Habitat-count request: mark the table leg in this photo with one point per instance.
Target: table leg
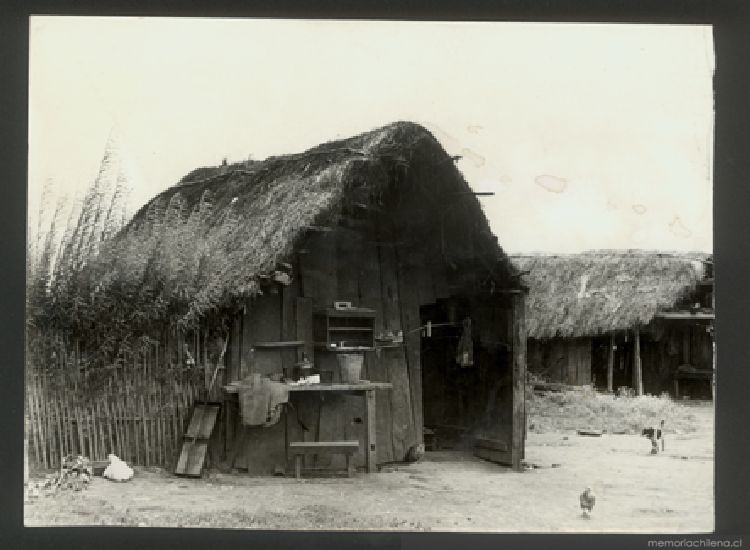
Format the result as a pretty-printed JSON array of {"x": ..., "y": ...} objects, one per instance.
[
  {"x": 298, "y": 466},
  {"x": 370, "y": 450}
]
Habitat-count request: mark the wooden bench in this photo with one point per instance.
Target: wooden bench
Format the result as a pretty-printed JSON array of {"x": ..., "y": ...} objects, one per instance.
[{"x": 302, "y": 448}]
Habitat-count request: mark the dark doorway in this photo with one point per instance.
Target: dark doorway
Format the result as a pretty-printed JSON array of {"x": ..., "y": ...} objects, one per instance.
[{"x": 463, "y": 405}]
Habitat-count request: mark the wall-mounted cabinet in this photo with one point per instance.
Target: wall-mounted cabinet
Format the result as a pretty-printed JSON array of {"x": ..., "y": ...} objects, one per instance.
[{"x": 350, "y": 329}]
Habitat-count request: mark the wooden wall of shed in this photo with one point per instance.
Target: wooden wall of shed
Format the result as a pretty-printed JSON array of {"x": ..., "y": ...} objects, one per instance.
[
  {"x": 395, "y": 259},
  {"x": 669, "y": 344},
  {"x": 340, "y": 265},
  {"x": 563, "y": 360}
]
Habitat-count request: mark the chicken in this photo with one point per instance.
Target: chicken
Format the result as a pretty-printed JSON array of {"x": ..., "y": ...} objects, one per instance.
[
  {"x": 117, "y": 470},
  {"x": 587, "y": 500}
]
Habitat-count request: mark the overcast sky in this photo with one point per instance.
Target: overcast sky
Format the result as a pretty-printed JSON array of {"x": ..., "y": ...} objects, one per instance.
[{"x": 591, "y": 136}]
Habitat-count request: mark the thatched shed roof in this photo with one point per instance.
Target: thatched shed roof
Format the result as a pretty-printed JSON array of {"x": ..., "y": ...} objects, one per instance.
[
  {"x": 227, "y": 225},
  {"x": 591, "y": 293}
]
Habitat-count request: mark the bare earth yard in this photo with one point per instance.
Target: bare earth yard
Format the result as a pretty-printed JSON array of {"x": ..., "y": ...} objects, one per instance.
[{"x": 447, "y": 491}]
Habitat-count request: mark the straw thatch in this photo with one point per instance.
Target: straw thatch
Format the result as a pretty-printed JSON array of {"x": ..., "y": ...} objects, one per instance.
[
  {"x": 226, "y": 226},
  {"x": 592, "y": 293}
]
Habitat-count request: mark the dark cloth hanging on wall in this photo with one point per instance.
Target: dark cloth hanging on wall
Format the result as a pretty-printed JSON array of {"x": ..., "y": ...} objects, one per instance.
[{"x": 465, "y": 351}]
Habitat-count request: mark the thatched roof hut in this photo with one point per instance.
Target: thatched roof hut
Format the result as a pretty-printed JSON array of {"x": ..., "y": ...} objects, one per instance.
[
  {"x": 253, "y": 264},
  {"x": 265, "y": 269},
  {"x": 592, "y": 293},
  {"x": 216, "y": 235}
]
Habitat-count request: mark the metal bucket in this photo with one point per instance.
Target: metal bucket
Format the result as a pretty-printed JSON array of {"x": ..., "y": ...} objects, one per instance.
[{"x": 350, "y": 366}]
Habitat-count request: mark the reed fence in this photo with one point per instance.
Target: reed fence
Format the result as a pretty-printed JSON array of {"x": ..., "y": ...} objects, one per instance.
[{"x": 138, "y": 411}]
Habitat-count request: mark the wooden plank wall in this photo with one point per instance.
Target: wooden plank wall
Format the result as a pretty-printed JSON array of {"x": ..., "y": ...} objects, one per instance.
[
  {"x": 564, "y": 360},
  {"x": 404, "y": 434},
  {"x": 376, "y": 366}
]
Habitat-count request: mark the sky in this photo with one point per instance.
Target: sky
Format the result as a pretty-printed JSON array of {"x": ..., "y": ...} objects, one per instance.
[{"x": 590, "y": 136}]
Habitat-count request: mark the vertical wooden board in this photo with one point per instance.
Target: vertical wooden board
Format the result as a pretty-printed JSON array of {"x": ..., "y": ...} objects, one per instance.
[
  {"x": 611, "y": 362},
  {"x": 304, "y": 320},
  {"x": 235, "y": 351},
  {"x": 351, "y": 263},
  {"x": 419, "y": 266},
  {"x": 409, "y": 284},
  {"x": 354, "y": 426},
  {"x": 401, "y": 412},
  {"x": 519, "y": 380},
  {"x": 375, "y": 368},
  {"x": 378, "y": 372},
  {"x": 318, "y": 268},
  {"x": 586, "y": 346},
  {"x": 289, "y": 295},
  {"x": 331, "y": 412},
  {"x": 371, "y": 443},
  {"x": 349, "y": 260},
  {"x": 637, "y": 366},
  {"x": 571, "y": 359},
  {"x": 263, "y": 324}
]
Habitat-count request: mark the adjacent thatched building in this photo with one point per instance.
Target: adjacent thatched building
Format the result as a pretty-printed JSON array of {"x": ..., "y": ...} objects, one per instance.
[
  {"x": 384, "y": 220},
  {"x": 630, "y": 318}
]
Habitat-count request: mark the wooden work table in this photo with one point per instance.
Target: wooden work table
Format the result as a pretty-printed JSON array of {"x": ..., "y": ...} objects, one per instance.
[{"x": 365, "y": 389}]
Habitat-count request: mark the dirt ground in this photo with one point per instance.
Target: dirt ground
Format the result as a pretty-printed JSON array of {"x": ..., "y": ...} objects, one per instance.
[{"x": 447, "y": 491}]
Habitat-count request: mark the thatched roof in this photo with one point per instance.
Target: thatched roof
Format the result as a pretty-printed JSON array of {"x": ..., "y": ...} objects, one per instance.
[
  {"x": 592, "y": 293},
  {"x": 238, "y": 221}
]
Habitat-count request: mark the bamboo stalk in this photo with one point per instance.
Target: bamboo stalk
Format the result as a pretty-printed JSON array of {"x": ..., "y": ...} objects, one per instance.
[
  {"x": 155, "y": 417},
  {"x": 42, "y": 421},
  {"x": 100, "y": 428},
  {"x": 121, "y": 429},
  {"x": 134, "y": 415},
  {"x": 154, "y": 422},
  {"x": 153, "y": 433},
  {"x": 30, "y": 391},
  {"x": 163, "y": 412},
  {"x": 175, "y": 414},
  {"x": 47, "y": 426},
  {"x": 68, "y": 421},
  {"x": 79, "y": 429},
  {"x": 36, "y": 421},
  {"x": 145, "y": 432},
  {"x": 64, "y": 439},
  {"x": 69, "y": 425},
  {"x": 91, "y": 424},
  {"x": 118, "y": 426},
  {"x": 159, "y": 425},
  {"x": 106, "y": 425}
]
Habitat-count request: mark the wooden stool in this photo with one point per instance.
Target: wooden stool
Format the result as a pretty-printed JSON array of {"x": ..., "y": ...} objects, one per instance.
[{"x": 302, "y": 448}]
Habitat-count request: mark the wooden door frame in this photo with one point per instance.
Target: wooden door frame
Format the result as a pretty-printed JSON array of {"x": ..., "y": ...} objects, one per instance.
[{"x": 518, "y": 328}]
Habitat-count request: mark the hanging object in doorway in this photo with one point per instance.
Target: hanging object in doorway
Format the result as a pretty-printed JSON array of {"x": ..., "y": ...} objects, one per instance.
[{"x": 465, "y": 351}]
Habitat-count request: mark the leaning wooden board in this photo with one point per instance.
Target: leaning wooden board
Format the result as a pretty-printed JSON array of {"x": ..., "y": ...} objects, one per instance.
[{"x": 195, "y": 441}]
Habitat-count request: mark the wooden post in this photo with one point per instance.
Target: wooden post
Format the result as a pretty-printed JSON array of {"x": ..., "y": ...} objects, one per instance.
[
  {"x": 371, "y": 450},
  {"x": 610, "y": 362},
  {"x": 637, "y": 373},
  {"x": 26, "y": 447},
  {"x": 519, "y": 380}
]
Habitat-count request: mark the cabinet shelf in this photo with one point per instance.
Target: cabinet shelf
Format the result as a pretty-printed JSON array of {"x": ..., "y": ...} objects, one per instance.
[
  {"x": 277, "y": 345},
  {"x": 345, "y": 330}
]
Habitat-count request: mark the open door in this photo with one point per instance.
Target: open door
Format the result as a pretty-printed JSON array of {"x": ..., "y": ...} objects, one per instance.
[
  {"x": 503, "y": 441},
  {"x": 477, "y": 407}
]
